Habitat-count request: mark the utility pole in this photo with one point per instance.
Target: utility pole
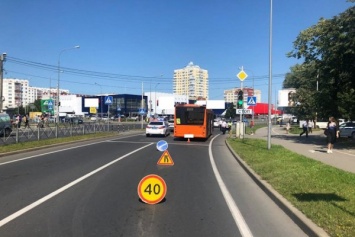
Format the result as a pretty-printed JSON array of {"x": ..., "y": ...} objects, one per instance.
[{"x": 2, "y": 59}]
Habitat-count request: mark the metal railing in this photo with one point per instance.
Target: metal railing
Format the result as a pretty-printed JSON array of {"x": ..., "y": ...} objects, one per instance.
[{"x": 52, "y": 130}]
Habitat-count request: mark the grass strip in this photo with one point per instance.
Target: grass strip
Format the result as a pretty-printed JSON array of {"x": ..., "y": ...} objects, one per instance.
[{"x": 325, "y": 194}]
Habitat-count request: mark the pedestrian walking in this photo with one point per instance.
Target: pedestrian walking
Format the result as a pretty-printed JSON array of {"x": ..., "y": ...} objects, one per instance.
[
  {"x": 252, "y": 124},
  {"x": 25, "y": 119},
  {"x": 332, "y": 134},
  {"x": 224, "y": 126},
  {"x": 288, "y": 126},
  {"x": 305, "y": 128},
  {"x": 18, "y": 120},
  {"x": 310, "y": 126},
  {"x": 229, "y": 125}
]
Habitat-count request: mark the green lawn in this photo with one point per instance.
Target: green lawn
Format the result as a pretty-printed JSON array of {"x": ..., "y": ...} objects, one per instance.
[{"x": 324, "y": 194}]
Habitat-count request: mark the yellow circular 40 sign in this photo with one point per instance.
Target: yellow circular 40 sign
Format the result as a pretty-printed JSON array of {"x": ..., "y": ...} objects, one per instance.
[{"x": 152, "y": 189}]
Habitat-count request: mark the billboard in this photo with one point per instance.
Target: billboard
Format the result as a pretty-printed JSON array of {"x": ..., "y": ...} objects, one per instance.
[
  {"x": 91, "y": 102},
  {"x": 285, "y": 98},
  {"x": 215, "y": 104}
]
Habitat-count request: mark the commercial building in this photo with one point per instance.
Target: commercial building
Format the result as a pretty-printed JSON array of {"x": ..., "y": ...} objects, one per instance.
[
  {"x": 191, "y": 81},
  {"x": 123, "y": 104}
]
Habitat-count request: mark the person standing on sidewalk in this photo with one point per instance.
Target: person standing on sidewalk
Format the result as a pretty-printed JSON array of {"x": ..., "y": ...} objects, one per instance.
[
  {"x": 305, "y": 128},
  {"x": 332, "y": 134}
]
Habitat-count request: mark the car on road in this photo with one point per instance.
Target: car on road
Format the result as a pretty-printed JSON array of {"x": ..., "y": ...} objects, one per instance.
[
  {"x": 216, "y": 123},
  {"x": 157, "y": 128},
  {"x": 73, "y": 120},
  {"x": 105, "y": 119},
  {"x": 171, "y": 124},
  {"x": 347, "y": 130},
  {"x": 5, "y": 125}
]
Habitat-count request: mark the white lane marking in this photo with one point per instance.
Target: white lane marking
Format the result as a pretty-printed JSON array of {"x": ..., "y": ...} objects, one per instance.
[
  {"x": 65, "y": 149},
  {"x": 237, "y": 215},
  {"x": 312, "y": 151},
  {"x": 62, "y": 189}
]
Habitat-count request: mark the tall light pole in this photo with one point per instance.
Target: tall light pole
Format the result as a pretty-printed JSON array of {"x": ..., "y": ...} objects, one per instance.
[
  {"x": 60, "y": 54},
  {"x": 155, "y": 98},
  {"x": 150, "y": 95},
  {"x": 2, "y": 59},
  {"x": 270, "y": 81},
  {"x": 100, "y": 98}
]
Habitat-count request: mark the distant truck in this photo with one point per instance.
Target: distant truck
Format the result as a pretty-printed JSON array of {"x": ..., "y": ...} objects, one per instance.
[
  {"x": 318, "y": 124},
  {"x": 321, "y": 124}
]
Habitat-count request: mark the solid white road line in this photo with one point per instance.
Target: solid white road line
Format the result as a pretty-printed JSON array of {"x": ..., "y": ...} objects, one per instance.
[
  {"x": 62, "y": 189},
  {"x": 65, "y": 149},
  {"x": 237, "y": 215}
]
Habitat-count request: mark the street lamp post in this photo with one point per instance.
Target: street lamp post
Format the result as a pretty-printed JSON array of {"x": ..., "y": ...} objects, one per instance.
[
  {"x": 150, "y": 96},
  {"x": 155, "y": 98},
  {"x": 60, "y": 54},
  {"x": 270, "y": 81},
  {"x": 2, "y": 59},
  {"x": 100, "y": 98}
]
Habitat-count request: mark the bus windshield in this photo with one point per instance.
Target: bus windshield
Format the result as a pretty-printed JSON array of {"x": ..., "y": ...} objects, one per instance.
[{"x": 189, "y": 115}]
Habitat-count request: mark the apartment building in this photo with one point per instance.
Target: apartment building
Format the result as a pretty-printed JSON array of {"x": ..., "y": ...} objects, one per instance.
[
  {"x": 191, "y": 81},
  {"x": 231, "y": 95},
  {"x": 15, "y": 93},
  {"x": 18, "y": 92}
]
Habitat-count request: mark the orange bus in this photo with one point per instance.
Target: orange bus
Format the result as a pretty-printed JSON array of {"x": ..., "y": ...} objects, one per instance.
[{"x": 192, "y": 121}]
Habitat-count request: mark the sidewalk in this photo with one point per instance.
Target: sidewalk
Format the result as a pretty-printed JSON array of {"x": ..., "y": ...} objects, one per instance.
[{"x": 314, "y": 146}]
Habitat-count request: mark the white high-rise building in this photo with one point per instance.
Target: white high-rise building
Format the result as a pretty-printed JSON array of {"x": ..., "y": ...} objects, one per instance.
[
  {"x": 191, "y": 81},
  {"x": 18, "y": 92},
  {"x": 15, "y": 93}
]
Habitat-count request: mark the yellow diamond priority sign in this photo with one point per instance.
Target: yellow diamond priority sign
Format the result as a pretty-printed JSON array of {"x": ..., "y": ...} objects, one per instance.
[{"x": 242, "y": 75}]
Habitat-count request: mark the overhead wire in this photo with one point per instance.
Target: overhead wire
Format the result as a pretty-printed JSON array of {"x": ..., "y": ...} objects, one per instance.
[{"x": 123, "y": 77}]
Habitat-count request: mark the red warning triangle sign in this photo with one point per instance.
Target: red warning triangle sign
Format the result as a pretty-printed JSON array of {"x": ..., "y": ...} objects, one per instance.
[{"x": 165, "y": 159}]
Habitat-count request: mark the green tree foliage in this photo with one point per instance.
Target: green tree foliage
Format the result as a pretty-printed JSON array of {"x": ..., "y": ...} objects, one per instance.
[
  {"x": 328, "y": 50},
  {"x": 230, "y": 113},
  {"x": 37, "y": 104}
]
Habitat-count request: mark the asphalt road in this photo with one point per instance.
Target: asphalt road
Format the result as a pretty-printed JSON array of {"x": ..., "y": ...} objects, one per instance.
[{"x": 90, "y": 189}]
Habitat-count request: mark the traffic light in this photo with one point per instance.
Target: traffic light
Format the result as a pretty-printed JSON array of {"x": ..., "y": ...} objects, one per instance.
[{"x": 240, "y": 101}]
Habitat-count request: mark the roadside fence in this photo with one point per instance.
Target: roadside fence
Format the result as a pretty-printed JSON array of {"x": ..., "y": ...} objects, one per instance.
[{"x": 52, "y": 130}]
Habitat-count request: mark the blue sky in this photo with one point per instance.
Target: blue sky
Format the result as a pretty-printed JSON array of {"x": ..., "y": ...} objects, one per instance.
[{"x": 144, "y": 41}]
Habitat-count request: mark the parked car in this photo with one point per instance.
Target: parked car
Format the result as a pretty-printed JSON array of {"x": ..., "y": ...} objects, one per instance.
[
  {"x": 5, "y": 125},
  {"x": 171, "y": 124},
  {"x": 157, "y": 128},
  {"x": 73, "y": 120},
  {"x": 347, "y": 130},
  {"x": 51, "y": 119},
  {"x": 105, "y": 118}
]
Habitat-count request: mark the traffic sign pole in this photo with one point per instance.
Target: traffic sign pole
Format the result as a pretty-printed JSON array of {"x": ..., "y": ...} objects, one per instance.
[{"x": 242, "y": 76}]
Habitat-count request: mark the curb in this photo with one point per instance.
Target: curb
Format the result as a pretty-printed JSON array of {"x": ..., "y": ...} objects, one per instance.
[{"x": 307, "y": 225}]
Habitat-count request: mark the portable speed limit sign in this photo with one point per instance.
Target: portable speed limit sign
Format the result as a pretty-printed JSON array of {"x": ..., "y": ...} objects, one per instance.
[{"x": 152, "y": 189}]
